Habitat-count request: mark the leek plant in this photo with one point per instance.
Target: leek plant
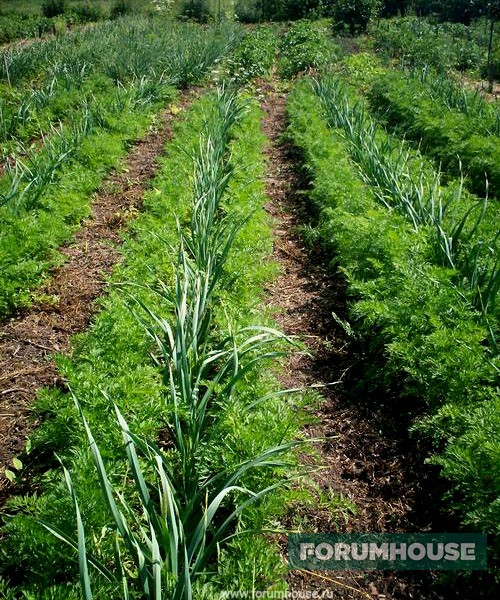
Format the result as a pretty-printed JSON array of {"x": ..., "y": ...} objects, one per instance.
[
  {"x": 456, "y": 96},
  {"x": 182, "y": 506},
  {"x": 400, "y": 182},
  {"x": 30, "y": 172},
  {"x": 124, "y": 49}
]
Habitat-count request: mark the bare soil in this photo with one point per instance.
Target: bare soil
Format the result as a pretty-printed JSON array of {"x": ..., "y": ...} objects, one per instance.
[
  {"x": 29, "y": 340},
  {"x": 369, "y": 458}
]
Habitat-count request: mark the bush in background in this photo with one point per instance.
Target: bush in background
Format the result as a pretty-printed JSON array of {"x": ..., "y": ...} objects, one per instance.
[
  {"x": 87, "y": 12},
  {"x": 304, "y": 47},
  {"x": 251, "y": 11},
  {"x": 121, "y": 8},
  {"x": 354, "y": 15},
  {"x": 197, "y": 10},
  {"x": 53, "y": 8},
  {"x": 254, "y": 56}
]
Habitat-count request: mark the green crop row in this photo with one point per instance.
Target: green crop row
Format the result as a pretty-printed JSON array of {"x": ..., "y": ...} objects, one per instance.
[
  {"x": 27, "y": 113},
  {"x": 454, "y": 138},
  {"x": 45, "y": 199},
  {"x": 409, "y": 310},
  {"x": 129, "y": 351},
  {"x": 456, "y": 95},
  {"x": 45, "y": 193},
  {"x": 129, "y": 48},
  {"x": 463, "y": 229}
]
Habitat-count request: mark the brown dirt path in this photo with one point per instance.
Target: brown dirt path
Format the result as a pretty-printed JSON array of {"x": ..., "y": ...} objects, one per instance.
[
  {"x": 378, "y": 473},
  {"x": 28, "y": 341}
]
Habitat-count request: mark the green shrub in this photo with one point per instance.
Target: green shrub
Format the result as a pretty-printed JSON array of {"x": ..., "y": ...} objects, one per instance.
[
  {"x": 254, "y": 57},
  {"x": 87, "y": 12},
  {"x": 121, "y": 8},
  {"x": 304, "y": 47},
  {"x": 418, "y": 42},
  {"x": 53, "y": 8},
  {"x": 354, "y": 15}
]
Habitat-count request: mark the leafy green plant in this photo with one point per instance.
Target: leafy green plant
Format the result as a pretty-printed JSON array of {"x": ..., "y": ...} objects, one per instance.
[
  {"x": 360, "y": 69},
  {"x": 254, "y": 56},
  {"x": 354, "y": 15},
  {"x": 418, "y": 42},
  {"x": 53, "y": 8},
  {"x": 304, "y": 47}
]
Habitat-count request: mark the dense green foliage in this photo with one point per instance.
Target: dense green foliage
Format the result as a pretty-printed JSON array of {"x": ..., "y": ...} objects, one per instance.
[
  {"x": 353, "y": 16},
  {"x": 409, "y": 309},
  {"x": 13, "y": 27},
  {"x": 456, "y": 139},
  {"x": 255, "y": 55},
  {"x": 355, "y": 12},
  {"x": 279, "y": 10},
  {"x": 303, "y": 47},
  {"x": 104, "y": 91},
  {"x": 53, "y": 8},
  {"x": 462, "y": 11},
  {"x": 418, "y": 42}
]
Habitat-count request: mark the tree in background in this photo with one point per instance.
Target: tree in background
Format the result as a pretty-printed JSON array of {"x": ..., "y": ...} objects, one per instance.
[
  {"x": 300, "y": 9},
  {"x": 491, "y": 10},
  {"x": 53, "y": 8},
  {"x": 354, "y": 15},
  {"x": 282, "y": 10},
  {"x": 198, "y": 10},
  {"x": 392, "y": 8},
  {"x": 121, "y": 8},
  {"x": 458, "y": 11}
]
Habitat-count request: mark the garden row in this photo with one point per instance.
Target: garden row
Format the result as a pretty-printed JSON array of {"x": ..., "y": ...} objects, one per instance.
[
  {"x": 301, "y": 47},
  {"x": 465, "y": 235},
  {"x": 173, "y": 364},
  {"x": 88, "y": 100},
  {"x": 381, "y": 218},
  {"x": 457, "y": 128}
]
